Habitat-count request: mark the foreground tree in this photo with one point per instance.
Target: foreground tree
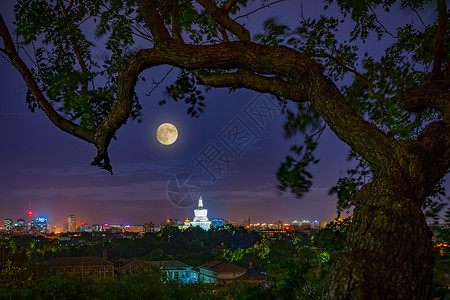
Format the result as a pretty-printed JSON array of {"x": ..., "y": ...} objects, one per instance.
[{"x": 389, "y": 251}]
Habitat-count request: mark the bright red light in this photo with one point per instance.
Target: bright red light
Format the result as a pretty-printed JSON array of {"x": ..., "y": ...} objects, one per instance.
[
  {"x": 83, "y": 223},
  {"x": 287, "y": 228},
  {"x": 106, "y": 224},
  {"x": 30, "y": 213}
]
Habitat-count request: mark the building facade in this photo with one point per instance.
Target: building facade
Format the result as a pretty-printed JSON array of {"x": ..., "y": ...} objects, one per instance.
[
  {"x": 90, "y": 266},
  {"x": 72, "y": 224}
]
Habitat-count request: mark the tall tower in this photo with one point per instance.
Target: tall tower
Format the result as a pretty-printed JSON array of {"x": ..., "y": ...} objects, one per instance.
[
  {"x": 30, "y": 213},
  {"x": 201, "y": 216},
  {"x": 71, "y": 224}
]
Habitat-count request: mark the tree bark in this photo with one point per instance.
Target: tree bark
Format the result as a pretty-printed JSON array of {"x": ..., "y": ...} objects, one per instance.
[{"x": 389, "y": 252}]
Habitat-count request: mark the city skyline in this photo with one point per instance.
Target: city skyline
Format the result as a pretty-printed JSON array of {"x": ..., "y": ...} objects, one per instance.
[{"x": 82, "y": 221}]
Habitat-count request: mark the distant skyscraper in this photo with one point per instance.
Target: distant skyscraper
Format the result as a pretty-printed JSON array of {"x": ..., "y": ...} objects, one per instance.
[
  {"x": 21, "y": 222},
  {"x": 71, "y": 224},
  {"x": 217, "y": 222},
  {"x": 30, "y": 213},
  {"x": 8, "y": 223},
  {"x": 41, "y": 224},
  {"x": 201, "y": 216},
  {"x": 278, "y": 224}
]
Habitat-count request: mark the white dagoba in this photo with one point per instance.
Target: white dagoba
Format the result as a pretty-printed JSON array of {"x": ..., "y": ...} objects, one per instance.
[{"x": 201, "y": 216}]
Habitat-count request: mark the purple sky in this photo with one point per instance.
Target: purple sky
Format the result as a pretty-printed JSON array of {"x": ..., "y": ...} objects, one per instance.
[{"x": 42, "y": 164}]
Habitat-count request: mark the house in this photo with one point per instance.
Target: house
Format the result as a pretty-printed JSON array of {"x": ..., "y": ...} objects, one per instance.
[
  {"x": 252, "y": 276},
  {"x": 176, "y": 270},
  {"x": 219, "y": 272},
  {"x": 129, "y": 264},
  {"x": 89, "y": 266}
]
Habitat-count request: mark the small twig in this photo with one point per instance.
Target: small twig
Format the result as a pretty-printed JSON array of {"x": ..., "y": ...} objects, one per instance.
[
  {"x": 319, "y": 132},
  {"x": 264, "y": 6},
  {"x": 378, "y": 21},
  {"x": 28, "y": 55},
  {"x": 417, "y": 13},
  {"x": 7, "y": 59},
  {"x": 157, "y": 83}
]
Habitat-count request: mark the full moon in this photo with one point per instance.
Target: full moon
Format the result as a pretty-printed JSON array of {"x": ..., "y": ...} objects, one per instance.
[{"x": 167, "y": 134}]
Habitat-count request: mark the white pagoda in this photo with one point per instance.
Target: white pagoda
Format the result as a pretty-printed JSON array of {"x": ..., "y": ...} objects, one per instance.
[{"x": 201, "y": 216}]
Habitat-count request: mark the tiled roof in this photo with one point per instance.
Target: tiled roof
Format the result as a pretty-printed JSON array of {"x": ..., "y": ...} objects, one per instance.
[
  {"x": 223, "y": 267},
  {"x": 134, "y": 263},
  {"x": 77, "y": 261},
  {"x": 251, "y": 274},
  {"x": 169, "y": 264}
]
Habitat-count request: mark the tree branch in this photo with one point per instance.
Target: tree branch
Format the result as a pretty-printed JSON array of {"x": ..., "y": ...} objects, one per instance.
[
  {"x": 221, "y": 16},
  {"x": 439, "y": 46},
  {"x": 381, "y": 24},
  {"x": 154, "y": 22},
  {"x": 249, "y": 80},
  {"x": 435, "y": 95},
  {"x": 229, "y": 5},
  {"x": 224, "y": 33},
  {"x": 61, "y": 122},
  {"x": 76, "y": 48},
  {"x": 259, "y": 8},
  {"x": 157, "y": 83},
  {"x": 176, "y": 31}
]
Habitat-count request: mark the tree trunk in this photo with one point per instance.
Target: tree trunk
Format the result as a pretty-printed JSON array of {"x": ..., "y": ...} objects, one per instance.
[{"x": 389, "y": 252}]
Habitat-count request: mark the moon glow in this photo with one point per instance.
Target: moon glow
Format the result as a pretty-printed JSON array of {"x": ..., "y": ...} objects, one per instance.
[{"x": 167, "y": 134}]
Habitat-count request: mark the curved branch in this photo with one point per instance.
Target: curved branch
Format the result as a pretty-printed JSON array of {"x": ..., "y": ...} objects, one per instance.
[
  {"x": 435, "y": 95},
  {"x": 249, "y": 80},
  {"x": 221, "y": 16},
  {"x": 61, "y": 122}
]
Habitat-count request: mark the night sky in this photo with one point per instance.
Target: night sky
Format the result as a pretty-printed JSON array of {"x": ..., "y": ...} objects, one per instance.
[{"x": 42, "y": 164}]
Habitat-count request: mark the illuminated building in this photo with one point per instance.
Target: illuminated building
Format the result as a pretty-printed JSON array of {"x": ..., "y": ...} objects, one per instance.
[
  {"x": 41, "y": 224},
  {"x": 71, "y": 224},
  {"x": 89, "y": 266},
  {"x": 278, "y": 224},
  {"x": 219, "y": 272},
  {"x": 201, "y": 216},
  {"x": 217, "y": 222},
  {"x": 84, "y": 227},
  {"x": 21, "y": 222},
  {"x": 315, "y": 224},
  {"x": 133, "y": 228},
  {"x": 176, "y": 270},
  {"x": 8, "y": 223},
  {"x": 295, "y": 226},
  {"x": 96, "y": 227}
]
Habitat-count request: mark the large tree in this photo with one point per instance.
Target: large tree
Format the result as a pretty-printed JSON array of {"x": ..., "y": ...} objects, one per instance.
[{"x": 393, "y": 110}]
